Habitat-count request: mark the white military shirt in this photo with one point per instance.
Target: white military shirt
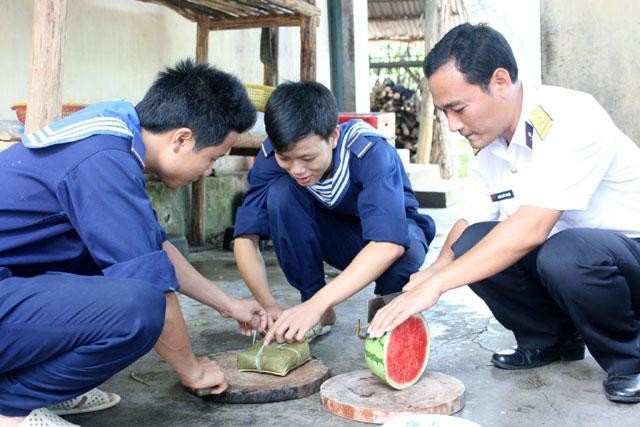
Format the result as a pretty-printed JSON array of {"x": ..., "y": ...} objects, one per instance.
[{"x": 566, "y": 154}]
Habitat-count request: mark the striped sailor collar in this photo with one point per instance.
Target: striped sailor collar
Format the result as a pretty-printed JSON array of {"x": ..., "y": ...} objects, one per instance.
[
  {"x": 352, "y": 139},
  {"x": 351, "y": 136},
  {"x": 118, "y": 118},
  {"x": 331, "y": 190}
]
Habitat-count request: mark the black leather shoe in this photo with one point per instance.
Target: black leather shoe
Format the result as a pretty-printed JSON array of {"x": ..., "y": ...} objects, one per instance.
[
  {"x": 622, "y": 388},
  {"x": 523, "y": 358}
]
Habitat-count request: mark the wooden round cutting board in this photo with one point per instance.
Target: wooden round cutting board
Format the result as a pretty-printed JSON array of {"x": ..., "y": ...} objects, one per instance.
[
  {"x": 251, "y": 387},
  {"x": 361, "y": 396}
]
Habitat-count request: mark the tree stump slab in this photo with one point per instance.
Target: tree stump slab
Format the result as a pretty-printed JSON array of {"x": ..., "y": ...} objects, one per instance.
[
  {"x": 252, "y": 387},
  {"x": 361, "y": 396}
]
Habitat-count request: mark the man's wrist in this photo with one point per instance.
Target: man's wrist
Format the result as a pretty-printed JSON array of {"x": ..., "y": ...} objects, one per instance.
[
  {"x": 437, "y": 283},
  {"x": 183, "y": 362},
  {"x": 320, "y": 303},
  {"x": 267, "y": 301},
  {"x": 272, "y": 304},
  {"x": 226, "y": 305},
  {"x": 195, "y": 374}
]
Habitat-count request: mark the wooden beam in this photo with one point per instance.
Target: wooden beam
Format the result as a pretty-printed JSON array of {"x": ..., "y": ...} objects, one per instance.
[
  {"x": 395, "y": 64},
  {"x": 307, "y": 8},
  {"x": 198, "y": 196},
  {"x": 44, "y": 99},
  {"x": 248, "y": 144},
  {"x": 185, "y": 13},
  {"x": 225, "y": 7},
  {"x": 308, "y": 26},
  {"x": 255, "y": 22},
  {"x": 192, "y": 9}
]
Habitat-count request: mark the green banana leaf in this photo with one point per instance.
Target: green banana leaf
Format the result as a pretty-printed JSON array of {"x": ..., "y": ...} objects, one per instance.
[{"x": 276, "y": 359}]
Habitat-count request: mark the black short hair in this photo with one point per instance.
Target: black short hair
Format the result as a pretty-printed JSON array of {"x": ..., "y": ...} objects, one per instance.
[
  {"x": 208, "y": 101},
  {"x": 478, "y": 50},
  {"x": 297, "y": 110}
]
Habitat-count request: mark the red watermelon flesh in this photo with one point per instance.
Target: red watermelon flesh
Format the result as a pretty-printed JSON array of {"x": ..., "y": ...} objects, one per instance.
[
  {"x": 400, "y": 356},
  {"x": 407, "y": 351}
]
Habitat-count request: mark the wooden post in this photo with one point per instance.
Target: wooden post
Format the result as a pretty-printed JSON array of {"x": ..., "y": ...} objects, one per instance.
[
  {"x": 269, "y": 55},
  {"x": 202, "y": 40},
  {"x": 425, "y": 131},
  {"x": 347, "y": 51},
  {"x": 44, "y": 99},
  {"x": 308, "y": 25},
  {"x": 198, "y": 199},
  {"x": 427, "y": 116}
]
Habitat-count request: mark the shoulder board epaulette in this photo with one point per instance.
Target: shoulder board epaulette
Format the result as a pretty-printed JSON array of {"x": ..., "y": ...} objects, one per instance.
[
  {"x": 360, "y": 146},
  {"x": 267, "y": 147},
  {"x": 541, "y": 121}
]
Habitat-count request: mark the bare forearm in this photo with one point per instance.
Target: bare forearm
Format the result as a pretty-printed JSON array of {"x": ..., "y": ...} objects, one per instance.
[
  {"x": 373, "y": 260},
  {"x": 446, "y": 255},
  {"x": 174, "y": 345},
  {"x": 370, "y": 262},
  {"x": 247, "y": 312},
  {"x": 194, "y": 284},
  {"x": 507, "y": 243},
  {"x": 252, "y": 269}
]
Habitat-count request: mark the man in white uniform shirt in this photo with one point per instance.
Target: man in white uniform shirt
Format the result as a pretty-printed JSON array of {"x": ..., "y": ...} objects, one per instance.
[{"x": 552, "y": 241}]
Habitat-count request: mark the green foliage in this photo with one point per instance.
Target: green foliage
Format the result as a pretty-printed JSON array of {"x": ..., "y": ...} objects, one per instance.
[
  {"x": 395, "y": 51},
  {"x": 463, "y": 153}
]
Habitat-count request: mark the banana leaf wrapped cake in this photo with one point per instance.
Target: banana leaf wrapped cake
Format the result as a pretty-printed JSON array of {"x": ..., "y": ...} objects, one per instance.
[{"x": 276, "y": 359}]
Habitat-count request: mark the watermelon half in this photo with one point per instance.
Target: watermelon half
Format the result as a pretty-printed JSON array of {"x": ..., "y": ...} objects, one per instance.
[{"x": 400, "y": 356}]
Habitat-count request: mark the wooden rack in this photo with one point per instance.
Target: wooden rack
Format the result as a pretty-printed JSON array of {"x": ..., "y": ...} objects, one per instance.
[{"x": 49, "y": 29}]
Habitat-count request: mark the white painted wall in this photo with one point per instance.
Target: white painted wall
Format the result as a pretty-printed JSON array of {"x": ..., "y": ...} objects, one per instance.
[
  {"x": 520, "y": 25},
  {"x": 361, "y": 53},
  {"x": 594, "y": 46},
  {"x": 115, "y": 48}
]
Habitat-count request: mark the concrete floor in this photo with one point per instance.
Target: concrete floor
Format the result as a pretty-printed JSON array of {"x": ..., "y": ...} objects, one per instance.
[{"x": 464, "y": 336}]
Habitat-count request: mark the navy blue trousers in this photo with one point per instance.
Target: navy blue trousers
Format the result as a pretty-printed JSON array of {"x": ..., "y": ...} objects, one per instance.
[
  {"x": 584, "y": 281},
  {"x": 62, "y": 335},
  {"x": 305, "y": 234}
]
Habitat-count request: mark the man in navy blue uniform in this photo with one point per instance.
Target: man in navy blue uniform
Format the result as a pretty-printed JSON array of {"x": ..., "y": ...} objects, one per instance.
[
  {"x": 326, "y": 193},
  {"x": 87, "y": 276}
]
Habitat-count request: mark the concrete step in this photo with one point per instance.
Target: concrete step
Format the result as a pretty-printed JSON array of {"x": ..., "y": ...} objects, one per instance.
[
  {"x": 422, "y": 174},
  {"x": 441, "y": 193},
  {"x": 419, "y": 174}
]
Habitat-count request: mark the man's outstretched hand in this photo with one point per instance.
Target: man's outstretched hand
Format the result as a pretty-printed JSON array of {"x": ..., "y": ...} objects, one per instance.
[
  {"x": 249, "y": 314},
  {"x": 210, "y": 376},
  {"x": 294, "y": 322},
  {"x": 418, "y": 298}
]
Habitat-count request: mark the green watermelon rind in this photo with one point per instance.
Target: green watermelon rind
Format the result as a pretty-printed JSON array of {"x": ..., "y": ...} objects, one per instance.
[
  {"x": 374, "y": 355},
  {"x": 375, "y": 352}
]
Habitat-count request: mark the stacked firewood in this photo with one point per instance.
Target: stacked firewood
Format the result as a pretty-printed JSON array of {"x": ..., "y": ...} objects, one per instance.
[{"x": 390, "y": 97}]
